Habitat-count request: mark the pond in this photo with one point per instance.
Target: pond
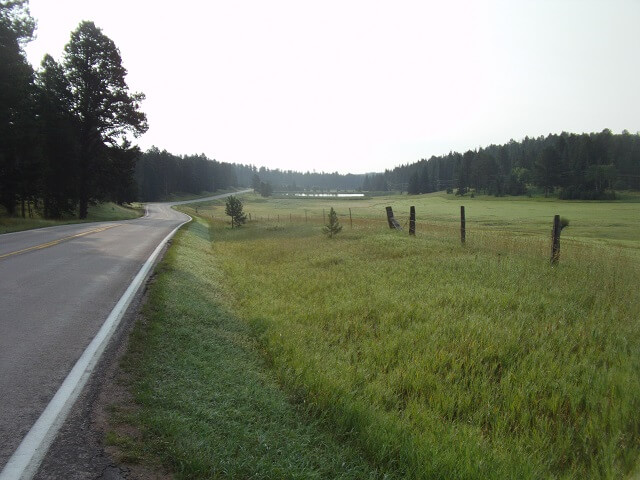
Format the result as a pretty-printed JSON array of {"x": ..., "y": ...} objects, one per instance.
[{"x": 340, "y": 195}]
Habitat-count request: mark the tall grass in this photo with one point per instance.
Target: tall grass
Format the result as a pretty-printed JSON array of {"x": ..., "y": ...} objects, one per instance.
[
  {"x": 447, "y": 361},
  {"x": 207, "y": 404}
]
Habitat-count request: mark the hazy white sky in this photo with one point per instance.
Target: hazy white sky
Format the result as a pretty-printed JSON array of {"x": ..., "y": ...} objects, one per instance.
[{"x": 360, "y": 86}]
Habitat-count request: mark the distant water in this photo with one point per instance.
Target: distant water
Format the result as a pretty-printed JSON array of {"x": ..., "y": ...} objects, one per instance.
[{"x": 344, "y": 195}]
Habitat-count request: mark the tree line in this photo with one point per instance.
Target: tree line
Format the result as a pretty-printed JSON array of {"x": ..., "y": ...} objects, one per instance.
[
  {"x": 64, "y": 129},
  {"x": 575, "y": 166},
  {"x": 292, "y": 181},
  {"x": 158, "y": 174}
]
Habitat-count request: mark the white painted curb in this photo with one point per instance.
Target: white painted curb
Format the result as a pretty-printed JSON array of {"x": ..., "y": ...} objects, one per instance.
[{"x": 25, "y": 461}]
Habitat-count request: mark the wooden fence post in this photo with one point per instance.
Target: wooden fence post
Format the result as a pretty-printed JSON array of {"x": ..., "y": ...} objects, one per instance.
[
  {"x": 249, "y": 217},
  {"x": 390, "y": 217},
  {"x": 555, "y": 240},
  {"x": 324, "y": 219},
  {"x": 412, "y": 221},
  {"x": 463, "y": 226},
  {"x": 305, "y": 216},
  {"x": 278, "y": 218},
  {"x": 350, "y": 218}
]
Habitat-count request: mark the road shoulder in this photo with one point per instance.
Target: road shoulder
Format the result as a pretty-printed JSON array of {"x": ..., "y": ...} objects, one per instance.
[{"x": 79, "y": 451}]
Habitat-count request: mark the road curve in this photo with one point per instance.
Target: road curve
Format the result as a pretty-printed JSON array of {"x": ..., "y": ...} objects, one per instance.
[{"x": 57, "y": 287}]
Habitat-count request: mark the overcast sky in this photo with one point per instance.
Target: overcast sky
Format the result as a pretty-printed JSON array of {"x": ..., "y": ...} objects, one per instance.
[{"x": 360, "y": 86}]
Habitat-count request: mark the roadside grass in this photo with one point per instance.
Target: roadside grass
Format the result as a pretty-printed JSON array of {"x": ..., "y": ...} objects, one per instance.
[
  {"x": 97, "y": 213},
  {"x": 207, "y": 403},
  {"x": 449, "y": 361}
]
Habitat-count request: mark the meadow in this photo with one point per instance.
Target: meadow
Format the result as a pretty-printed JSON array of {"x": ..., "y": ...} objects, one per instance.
[{"x": 430, "y": 358}]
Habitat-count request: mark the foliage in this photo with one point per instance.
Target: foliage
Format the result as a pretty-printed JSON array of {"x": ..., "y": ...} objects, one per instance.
[
  {"x": 64, "y": 132},
  {"x": 333, "y": 227},
  {"x": 585, "y": 166},
  {"x": 265, "y": 190},
  {"x": 159, "y": 174},
  {"x": 234, "y": 209},
  {"x": 16, "y": 105},
  {"x": 292, "y": 181},
  {"x": 16, "y": 21},
  {"x": 59, "y": 143},
  {"x": 103, "y": 108}
]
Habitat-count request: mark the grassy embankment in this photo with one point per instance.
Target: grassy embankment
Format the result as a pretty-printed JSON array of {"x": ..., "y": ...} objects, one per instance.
[
  {"x": 437, "y": 360},
  {"x": 97, "y": 213},
  {"x": 207, "y": 404}
]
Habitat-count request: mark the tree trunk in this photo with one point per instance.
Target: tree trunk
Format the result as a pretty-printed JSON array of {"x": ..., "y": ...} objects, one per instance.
[{"x": 83, "y": 207}]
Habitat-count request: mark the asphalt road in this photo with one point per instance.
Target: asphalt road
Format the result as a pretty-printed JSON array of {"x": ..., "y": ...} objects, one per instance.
[{"x": 57, "y": 287}]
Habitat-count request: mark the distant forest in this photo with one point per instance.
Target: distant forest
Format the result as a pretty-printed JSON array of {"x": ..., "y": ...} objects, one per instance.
[
  {"x": 575, "y": 166},
  {"x": 290, "y": 181},
  {"x": 158, "y": 174}
]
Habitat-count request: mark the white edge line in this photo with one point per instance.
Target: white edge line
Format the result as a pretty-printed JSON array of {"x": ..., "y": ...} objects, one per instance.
[{"x": 25, "y": 461}]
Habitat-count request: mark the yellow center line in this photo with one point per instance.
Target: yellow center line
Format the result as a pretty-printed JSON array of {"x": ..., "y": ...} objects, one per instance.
[{"x": 56, "y": 242}]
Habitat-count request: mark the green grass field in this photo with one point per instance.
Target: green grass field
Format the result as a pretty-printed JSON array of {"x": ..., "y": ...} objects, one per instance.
[
  {"x": 427, "y": 358},
  {"x": 208, "y": 405},
  {"x": 97, "y": 213},
  {"x": 602, "y": 222}
]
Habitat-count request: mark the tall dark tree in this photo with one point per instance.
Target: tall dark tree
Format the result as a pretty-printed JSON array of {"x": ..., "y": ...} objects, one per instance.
[
  {"x": 255, "y": 183},
  {"x": 57, "y": 140},
  {"x": 122, "y": 184},
  {"x": 546, "y": 169},
  {"x": 425, "y": 180},
  {"x": 105, "y": 110},
  {"x": 414, "y": 184},
  {"x": 16, "y": 102},
  {"x": 266, "y": 189}
]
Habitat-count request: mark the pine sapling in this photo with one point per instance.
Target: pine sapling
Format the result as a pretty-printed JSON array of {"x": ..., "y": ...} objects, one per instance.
[{"x": 333, "y": 227}]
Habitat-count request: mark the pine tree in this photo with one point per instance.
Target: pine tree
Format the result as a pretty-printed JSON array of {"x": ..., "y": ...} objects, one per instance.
[
  {"x": 333, "y": 227},
  {"x": 235, "y": 210},
  {"x": 105, "y": 110}
]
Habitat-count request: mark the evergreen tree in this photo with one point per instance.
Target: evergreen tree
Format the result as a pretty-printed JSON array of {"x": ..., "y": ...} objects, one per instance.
[
  {"x": 102, "y": 105},
  {"x": 16, "y": 104},
  {"x": 546, "y": 169},
  {"x": 333, "y": 227},
  {"x": 266, "y": 190},
  {"x": 425, "y": 180},
  {"x": 255, "y": 183},
  {"x": 58, "y": 142},
  {"x": 235, "y": 210},
  {"x": 366, "y": 184},
  {"x": 414, "y": 184}
]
